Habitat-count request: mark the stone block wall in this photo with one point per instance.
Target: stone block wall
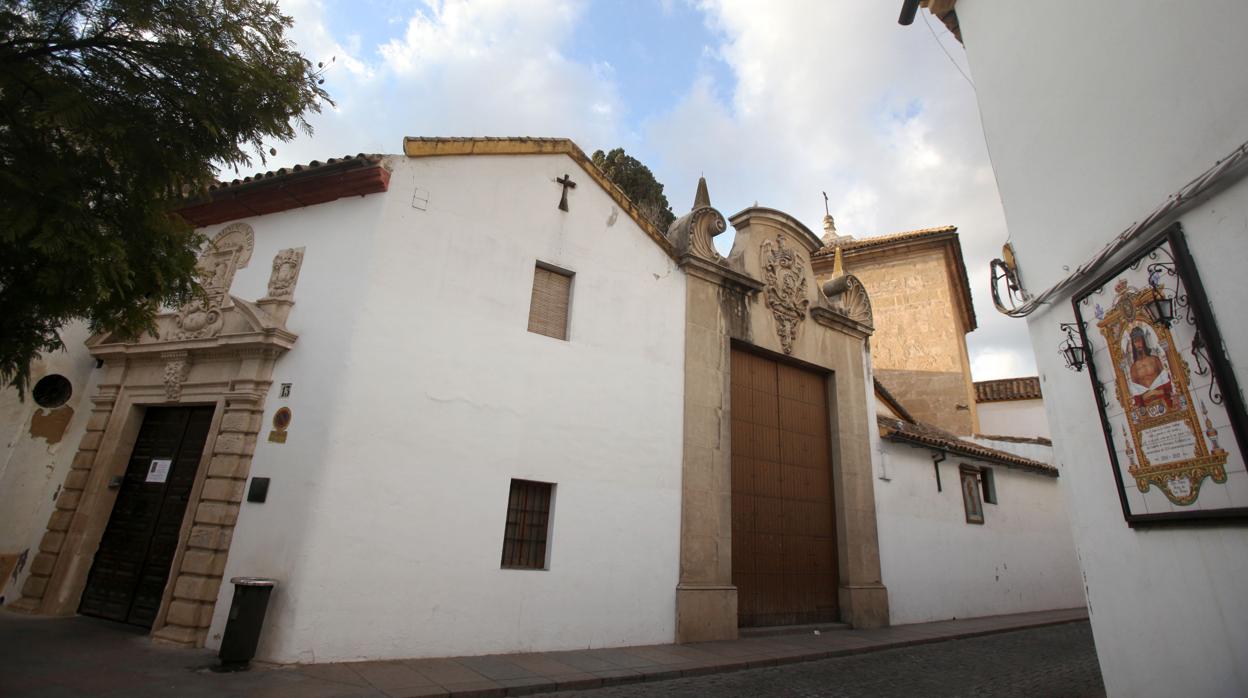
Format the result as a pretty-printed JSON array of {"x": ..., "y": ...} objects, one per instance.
[{"x": 919, "y": 346}]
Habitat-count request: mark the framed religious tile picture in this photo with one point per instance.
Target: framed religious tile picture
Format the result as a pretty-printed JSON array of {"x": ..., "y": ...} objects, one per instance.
[
  {"x": 971, "y": 503},
  {"x": 1170, "y": 408}
]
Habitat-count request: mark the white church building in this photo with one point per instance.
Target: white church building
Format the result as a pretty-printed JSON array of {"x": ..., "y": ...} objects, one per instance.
[{"x": 468, "y": 400}]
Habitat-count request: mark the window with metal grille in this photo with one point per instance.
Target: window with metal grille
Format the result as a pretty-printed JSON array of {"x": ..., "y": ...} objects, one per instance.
[
  {"x": 528, "y": 523},
  {"x": 548, "y": 309}
]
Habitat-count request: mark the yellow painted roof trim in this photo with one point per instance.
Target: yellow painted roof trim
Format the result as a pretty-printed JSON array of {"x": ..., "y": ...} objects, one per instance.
[{"x": 437, "y": 147}]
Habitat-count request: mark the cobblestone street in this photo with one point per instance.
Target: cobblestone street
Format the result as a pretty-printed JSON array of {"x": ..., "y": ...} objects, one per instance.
[
  {"x": 1056, "y": 661},
  {"x": 1046, "y": 653}
]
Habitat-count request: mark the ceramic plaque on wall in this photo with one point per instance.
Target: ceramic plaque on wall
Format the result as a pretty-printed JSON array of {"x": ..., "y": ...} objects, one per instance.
[{"x": 1170, "y": 407}]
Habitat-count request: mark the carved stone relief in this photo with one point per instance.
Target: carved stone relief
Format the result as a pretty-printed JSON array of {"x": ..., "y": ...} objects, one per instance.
[
  {"x": 784, "y": 278},
  {"x": 855, "y": 303},
  {"x": 229, "y": 251},
  {"x": 201, "y": 317},
  {"x": 177, "y": 368},
  {"x": 286, "y": 266}
]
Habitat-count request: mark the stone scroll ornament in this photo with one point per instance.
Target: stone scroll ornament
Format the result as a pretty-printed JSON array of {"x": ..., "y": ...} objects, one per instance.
[
  {"x": 784, "y": 276},
  {"x": 228, "y": 252}
]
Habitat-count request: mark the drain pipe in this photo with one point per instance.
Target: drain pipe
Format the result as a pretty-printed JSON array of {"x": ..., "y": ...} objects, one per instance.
[
  {"x": 908, "y": 9},
  {"x": 938, "y": 457}
]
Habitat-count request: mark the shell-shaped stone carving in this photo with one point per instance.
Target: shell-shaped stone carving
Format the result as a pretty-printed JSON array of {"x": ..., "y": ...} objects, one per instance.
[
  {"x": 855, "y": 303},
  {"x": 849, "y": 297}
]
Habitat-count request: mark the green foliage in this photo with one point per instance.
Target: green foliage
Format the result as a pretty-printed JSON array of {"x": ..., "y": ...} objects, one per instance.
[
  {"x": 110, "y": 111},
  {"x": 638, "y": 182}
]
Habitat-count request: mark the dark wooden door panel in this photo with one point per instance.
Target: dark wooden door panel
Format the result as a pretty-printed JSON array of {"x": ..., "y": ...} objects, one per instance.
[
  {"x": 132, "y": 564},
  {"x": 784, "y": 540}
]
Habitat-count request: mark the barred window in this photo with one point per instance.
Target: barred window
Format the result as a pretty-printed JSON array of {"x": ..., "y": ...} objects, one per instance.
[
  {"x": 528, "y": 523},
  {"x": 548, "y": 309}
]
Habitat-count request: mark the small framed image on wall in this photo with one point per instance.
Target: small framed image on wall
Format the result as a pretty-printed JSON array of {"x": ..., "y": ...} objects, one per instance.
[{"x": 1170, "y": 408}]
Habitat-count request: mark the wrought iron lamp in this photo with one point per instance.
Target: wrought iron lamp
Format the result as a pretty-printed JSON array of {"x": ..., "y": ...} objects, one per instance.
[
  {"x": 1072, "y": 349},
  {"x": 1160, "y": 308}
]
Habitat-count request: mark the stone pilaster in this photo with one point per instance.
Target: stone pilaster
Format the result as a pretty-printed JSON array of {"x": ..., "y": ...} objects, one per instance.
[
  {"x": 706, "y": 600},
  {"x": 35, "y": 589},
  {"x": 197, "y": 575}
]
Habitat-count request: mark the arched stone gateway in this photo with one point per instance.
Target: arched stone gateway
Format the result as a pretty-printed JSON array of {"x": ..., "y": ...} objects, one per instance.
[
  {"x": 778, "y": 511},
  {"x": 210, "y": 361}
]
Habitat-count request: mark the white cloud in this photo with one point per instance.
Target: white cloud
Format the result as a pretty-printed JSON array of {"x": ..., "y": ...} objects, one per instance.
[
  {"x": 831, "y": 96},
  {"x": 454, "y": 68},
  {"x": 991, "y": 363},
  {"x": 837, "y": 97}
]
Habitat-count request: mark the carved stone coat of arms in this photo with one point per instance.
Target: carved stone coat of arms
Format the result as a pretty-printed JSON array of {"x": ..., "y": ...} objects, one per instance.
[{"x": 784, "y": 276}]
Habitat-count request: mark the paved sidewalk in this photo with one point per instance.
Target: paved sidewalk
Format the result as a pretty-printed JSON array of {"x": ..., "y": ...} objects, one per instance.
[{"x": 50, "y": 657}]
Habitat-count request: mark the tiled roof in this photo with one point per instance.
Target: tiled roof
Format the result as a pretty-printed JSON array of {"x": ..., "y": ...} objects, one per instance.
[
  {"x": 344, "y": 162},
  {"x": 927, "y": 435},
  {"x": 1040, "y": 440},
  {"x": 905, "y": 236},
  {"x": 287, "y": 188},
  {"x": 892, "y": 401},
  {"x": 1027, "y": 388},
  {"x": 851, "y": 248}
]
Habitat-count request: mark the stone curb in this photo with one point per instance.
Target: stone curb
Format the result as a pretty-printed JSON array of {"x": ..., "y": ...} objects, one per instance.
[{"x": 618, "y": 677}]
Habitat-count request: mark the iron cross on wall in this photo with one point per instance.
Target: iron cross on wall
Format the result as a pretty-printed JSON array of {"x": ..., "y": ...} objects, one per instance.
[{"x": 567, "y": 183}]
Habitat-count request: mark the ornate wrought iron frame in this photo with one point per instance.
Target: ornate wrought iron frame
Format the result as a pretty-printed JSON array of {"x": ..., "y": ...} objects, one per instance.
[{"x": 1191, "y": 306}]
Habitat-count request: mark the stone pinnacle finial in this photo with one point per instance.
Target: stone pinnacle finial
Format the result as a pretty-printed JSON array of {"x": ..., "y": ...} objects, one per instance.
[
  {"x": 829, "y": 226},
  {"x": 838, "y": 265},
  {"x": 703, "y": 198}
]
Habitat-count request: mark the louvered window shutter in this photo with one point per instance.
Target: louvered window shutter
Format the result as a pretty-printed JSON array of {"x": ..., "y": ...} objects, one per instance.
[{"x": 548, "y": 310}]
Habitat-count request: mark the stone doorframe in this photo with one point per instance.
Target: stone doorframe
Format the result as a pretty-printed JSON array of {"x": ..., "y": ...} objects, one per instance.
[
  {"x": 826, "y": 328},
  {"x": 227, "y": 363}
]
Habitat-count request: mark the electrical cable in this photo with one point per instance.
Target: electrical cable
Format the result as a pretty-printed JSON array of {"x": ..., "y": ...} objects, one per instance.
[
  {"x": 1225, "y": 171},
  {"x": 941, "y": 44}
]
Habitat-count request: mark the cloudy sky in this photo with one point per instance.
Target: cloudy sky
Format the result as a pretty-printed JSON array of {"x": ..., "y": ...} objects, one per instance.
[{"x": 775, "y": 101}]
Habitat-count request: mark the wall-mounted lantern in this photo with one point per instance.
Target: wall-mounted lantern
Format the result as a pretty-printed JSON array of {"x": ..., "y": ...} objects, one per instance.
[
  {"x": 1160, "y": 309},
  {"x": 1072, "y": 349}
]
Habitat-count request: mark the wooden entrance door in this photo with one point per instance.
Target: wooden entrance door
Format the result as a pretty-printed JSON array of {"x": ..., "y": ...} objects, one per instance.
[
  {"x": 131, "y": 567},
  {"x": 783, "y": 532}
]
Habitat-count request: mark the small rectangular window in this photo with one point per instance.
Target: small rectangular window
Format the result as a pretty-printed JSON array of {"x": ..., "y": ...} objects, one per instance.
[
  {"x": 971, "y": 502},
  {"x": 989, "y": 483},
  {"x": 528, "y": 524},
  {"x": 548, "y": 308}
]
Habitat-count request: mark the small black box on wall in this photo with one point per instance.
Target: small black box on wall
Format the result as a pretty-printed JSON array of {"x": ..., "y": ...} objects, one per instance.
[{"x": 259, "y": 490}]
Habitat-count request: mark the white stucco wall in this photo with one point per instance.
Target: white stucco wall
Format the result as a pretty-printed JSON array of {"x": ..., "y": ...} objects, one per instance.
[
  {"x": 32, "y": 468},
  {"x": 1024, "y": 418},
  {"x": 418, "y": 394},
  {"x": 937, "y": 566},
  {"x": 1094, "y": 114}
]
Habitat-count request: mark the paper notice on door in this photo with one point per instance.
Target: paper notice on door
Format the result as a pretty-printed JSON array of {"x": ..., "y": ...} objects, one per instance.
[{"x": 158, "y": 471}]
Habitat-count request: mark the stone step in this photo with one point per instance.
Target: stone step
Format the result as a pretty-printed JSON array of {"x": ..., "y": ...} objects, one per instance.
[{"x": 807, "y": 629}]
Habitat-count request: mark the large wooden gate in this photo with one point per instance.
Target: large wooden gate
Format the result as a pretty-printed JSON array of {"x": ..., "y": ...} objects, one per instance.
[
  {"x": 783, "y": 531},
  {"x": 132, "y": 564}
]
